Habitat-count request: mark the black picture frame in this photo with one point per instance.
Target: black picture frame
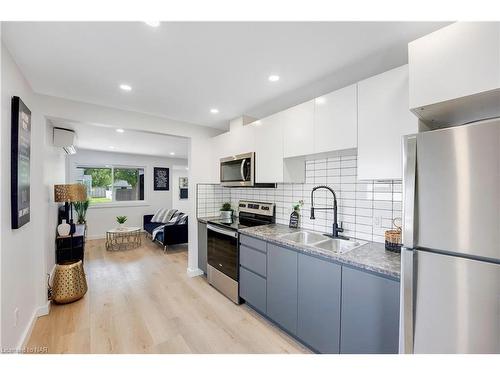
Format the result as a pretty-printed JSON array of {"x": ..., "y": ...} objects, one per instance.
[
  {"x": 183, "y": 193},
  {"x": 20, "y": 163},
  {"x": 161, "y": 179}
]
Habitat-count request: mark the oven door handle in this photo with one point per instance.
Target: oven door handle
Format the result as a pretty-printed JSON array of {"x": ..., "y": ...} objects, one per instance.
[{"x": 229, "y": 233}]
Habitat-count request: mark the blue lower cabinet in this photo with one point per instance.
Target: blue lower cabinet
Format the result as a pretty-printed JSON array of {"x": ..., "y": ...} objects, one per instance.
[
  {"x": 370, "y": 313},
  {"x": 319, "y": 299},
  {"x": 330, "y": 307},
  {"x": 282, "y": 287},
  {"x": 253, "y": 289}
]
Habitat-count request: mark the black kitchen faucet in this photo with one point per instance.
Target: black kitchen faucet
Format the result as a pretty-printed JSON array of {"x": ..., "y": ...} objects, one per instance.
[{"x": 336, "y": 228}]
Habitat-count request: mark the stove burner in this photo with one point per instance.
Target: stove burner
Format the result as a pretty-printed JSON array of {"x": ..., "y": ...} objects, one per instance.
[{"x": 251, "y": 214}]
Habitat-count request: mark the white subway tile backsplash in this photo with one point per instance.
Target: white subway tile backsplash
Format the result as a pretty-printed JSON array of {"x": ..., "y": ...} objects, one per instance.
[
  {"x": 348, "y": 171},
  {"x": 384, "y": 214},
  {"x": 333, "y": 172},
  {"x": 382, "y": 205},
  {"x": 359, "y": 203},
  {"x": 382, "y": 196},
  {"x": 364, "y": 212},
  {"x": 348, "y": 163}
]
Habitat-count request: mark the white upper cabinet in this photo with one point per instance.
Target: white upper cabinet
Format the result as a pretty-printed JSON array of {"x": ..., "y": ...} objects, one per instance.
[
  {"x": 298, "y": 128},
  {"x": 241, "y": 138},
  {"x": 335, "y": 120},
  {"x": 453, "y": 62},
  {"x": 269, "y": 149},
  {"x": 242, "y": 141},
  {"x": 220, "y": 149},
  {"x": 383, "y": 119}
]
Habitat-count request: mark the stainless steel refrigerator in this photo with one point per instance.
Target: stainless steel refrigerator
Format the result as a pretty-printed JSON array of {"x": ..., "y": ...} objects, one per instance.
[{"x": 450, "y": 260}]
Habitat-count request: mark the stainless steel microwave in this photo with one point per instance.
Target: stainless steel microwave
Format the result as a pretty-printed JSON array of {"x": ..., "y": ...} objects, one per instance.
[{"x": 238, "y": 170}]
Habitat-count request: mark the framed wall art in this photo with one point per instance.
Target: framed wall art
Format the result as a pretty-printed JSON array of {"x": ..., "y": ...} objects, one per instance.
[
  {"x": 183, "y": 188},
  {"x": 161, "y": 180},
  {"x": 20, "y": 162}
]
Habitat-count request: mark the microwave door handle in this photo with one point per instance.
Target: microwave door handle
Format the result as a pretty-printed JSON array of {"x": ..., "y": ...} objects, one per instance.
[{"x": 242, "y": 170}]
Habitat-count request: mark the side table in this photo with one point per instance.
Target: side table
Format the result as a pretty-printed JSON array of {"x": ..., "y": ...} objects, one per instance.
[{"x": 123, "y": 238}]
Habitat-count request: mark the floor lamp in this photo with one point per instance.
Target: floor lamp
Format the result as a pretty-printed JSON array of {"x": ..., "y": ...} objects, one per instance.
[{"x": 68, "y": 194}]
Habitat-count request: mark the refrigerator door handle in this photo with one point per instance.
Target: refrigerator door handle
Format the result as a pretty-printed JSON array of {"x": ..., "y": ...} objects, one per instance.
[
  {"x": 409, "y": 186},
  {"x": 407, "y": 298}
]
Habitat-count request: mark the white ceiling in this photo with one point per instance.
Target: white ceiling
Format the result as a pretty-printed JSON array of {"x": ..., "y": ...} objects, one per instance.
[
  {"x": 101, "y": 138},
  {"x": 181, "y": 70}
]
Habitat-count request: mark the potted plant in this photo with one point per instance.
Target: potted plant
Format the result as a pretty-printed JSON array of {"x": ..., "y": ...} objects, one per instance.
[
  {"x": 81, "y": 211},
  {"x": 226, "y": 212},
  {"x": 121, "y": 221}
]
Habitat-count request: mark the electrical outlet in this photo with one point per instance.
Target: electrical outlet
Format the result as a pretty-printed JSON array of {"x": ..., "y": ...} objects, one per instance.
[
  {"x": 377, "y": 221},
  {"x": 16, "y": 316}
]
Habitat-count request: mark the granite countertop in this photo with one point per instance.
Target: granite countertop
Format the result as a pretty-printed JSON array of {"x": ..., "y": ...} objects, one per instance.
[
  {"x": 372, "y": 256},
  {"x": 208, "y": 218}
]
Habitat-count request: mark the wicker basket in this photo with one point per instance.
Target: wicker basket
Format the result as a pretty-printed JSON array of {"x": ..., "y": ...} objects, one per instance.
[
  {"x": 69, "y": 282},
  {"x": 393, "y": 238}
]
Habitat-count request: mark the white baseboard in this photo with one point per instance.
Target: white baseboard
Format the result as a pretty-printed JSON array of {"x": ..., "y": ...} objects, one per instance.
[
  {"x": 96, "y": 236},
  {"x": 43, "y": 310},
  {"x": 27, "y": 332},
  {"x": 193, "y": 272},
  {"x": 39, "y": 311}
]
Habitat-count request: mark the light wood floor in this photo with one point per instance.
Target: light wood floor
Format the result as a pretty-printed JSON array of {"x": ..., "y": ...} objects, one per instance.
[{"x": 141, "y": 301}]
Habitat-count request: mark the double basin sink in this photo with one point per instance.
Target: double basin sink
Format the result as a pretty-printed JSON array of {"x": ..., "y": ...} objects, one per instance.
[{"x": 336, "y": 245}]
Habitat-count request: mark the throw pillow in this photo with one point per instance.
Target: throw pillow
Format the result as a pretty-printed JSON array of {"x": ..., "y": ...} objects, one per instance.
[
  {"x": 175, "y": 217},
  {"x": 168, "y": 215},
  {"x": 158, "y": 214},
  {"x": 182, "y": 219}
]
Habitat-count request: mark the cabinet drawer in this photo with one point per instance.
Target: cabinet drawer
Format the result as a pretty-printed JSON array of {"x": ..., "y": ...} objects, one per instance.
[
  {"x": 253, "y": 289},
  {"x": 253, "y": 260},
  {"x": 254, "y": 243}
]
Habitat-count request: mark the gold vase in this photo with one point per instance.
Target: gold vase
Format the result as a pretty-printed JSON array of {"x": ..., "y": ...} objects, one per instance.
[{"x": 69, "y": 283}]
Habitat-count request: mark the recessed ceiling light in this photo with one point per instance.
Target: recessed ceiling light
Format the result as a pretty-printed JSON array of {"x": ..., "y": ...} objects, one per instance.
[
  {"x": 120, "y": 131},
  {"x": 274, "y": 78},
  {"x": 112, "y": 147},
  {"x": 172, "y": 153},
  {"x": 214, "y": 110},
  {"x": 125, "y": 87},
  {"x": 152, "y": 23}
]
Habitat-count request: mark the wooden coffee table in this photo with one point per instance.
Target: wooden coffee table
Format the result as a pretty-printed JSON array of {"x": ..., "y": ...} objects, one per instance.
[{"x": 123, "y": 238}]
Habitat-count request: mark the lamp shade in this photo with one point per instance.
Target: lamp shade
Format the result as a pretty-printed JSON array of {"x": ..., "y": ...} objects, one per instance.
[{"x": 70, "y": 193}]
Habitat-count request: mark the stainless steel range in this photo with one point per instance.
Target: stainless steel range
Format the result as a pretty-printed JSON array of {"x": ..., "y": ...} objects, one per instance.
[{"x": 223, "y": 245}]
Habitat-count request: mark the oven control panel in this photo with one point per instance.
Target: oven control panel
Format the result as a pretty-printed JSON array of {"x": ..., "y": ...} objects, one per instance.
[{"x": 260, "y": 208}]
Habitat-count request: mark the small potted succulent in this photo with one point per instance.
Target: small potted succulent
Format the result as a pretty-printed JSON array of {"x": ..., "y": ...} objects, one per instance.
[
  {"x": 226, "y": 212},
  {"x": 121, "y": 221}
]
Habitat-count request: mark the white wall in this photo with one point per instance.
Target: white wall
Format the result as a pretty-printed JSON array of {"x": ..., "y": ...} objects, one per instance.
[
  {"x": 54, "y": 172},
  {"x": 99, "y": 219},
  {"x": 199, "y": 171},
  {"x": 23, "y": 251},
  {"x": 183, "y": 205}
]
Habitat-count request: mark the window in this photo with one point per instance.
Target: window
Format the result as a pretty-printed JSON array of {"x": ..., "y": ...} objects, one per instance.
[{"x": 112, "y": 184}]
